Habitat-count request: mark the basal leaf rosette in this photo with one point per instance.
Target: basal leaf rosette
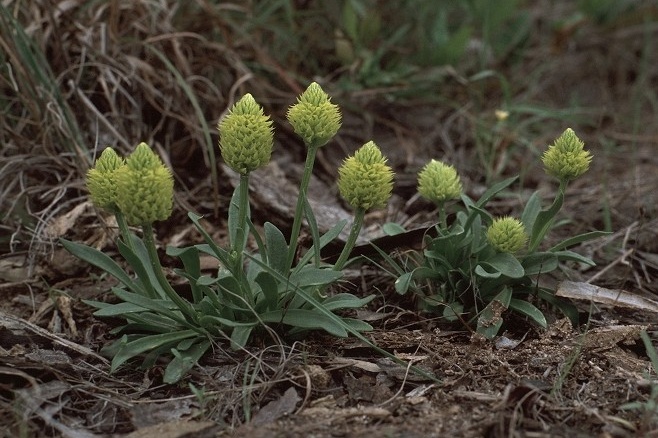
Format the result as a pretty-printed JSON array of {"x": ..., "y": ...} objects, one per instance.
[
  {"x": 567, "y": 159},
  {"x": 365, "y": 181},
  {"x": 246, "y": 136},
  {"x": 101, "y": 180},
  {"x": 145, "y": 187},
  {"x": 439, "y": 182},
  {"x": 507, "y": 234},
  {"x": 314, "y": 118}
]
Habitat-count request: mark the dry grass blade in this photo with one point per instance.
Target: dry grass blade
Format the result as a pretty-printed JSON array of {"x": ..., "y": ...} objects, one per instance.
[{"x": 77, "y": 77}]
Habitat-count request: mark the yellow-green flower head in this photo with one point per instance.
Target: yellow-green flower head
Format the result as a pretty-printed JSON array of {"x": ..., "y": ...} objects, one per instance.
[
  {"x": 314, "y": 118},
  {"x": 246, "y": 136},
  {"x": 101, "y": 181},
  {"x": 567, "y": 159},
  {"x": 145, "y": 187},
  {"x": 439, "y": 182},
  {"x": 364, "y": 179},
  {"x": 507, "y": 234}
]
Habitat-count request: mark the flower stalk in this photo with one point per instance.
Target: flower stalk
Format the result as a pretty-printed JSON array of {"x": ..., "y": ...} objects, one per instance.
[
  {"x": 185, "y": 307},
  {"x": 316, "y": 120},
  {"x": 359, "y": 214},
  {"x": 299, "y": 208}
]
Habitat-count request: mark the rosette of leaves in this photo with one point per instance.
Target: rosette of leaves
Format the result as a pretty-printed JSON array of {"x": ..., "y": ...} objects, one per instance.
[
  {"x": 252, "y": 293},
  {"x": 158, "y": 320},
  {"x": 478, "y": 267}
]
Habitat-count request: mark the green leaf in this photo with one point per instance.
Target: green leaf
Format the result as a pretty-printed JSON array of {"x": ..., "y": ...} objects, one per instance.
[
  {"x": 494, "y": 190},
  {"x": 184, "y": 361},
  {"x": 128, "y": 350},
  {"x": 163, "y": 307},
  {"x": 346, "y": 301},
  {"x": 270, "y": 287},
  {"x": 526, "y": 308},
  {"x": 237, "y": 232},
  {"x": 405, "y": 281},
  {"x": 100, "y": 260},
  {"x": 531, "y": 210},
  {"x": 215, "y": 250},
  {"x": 276, "y": 248},
  {"x": 312, "y": 276},
  {"x": 214, "y": 321},
  {"x": 490, "y": 319},
  {"x": 476, "y": 212},
  {"x": 313, "y": 227},
  {"x": 256, "y": 235},
  {"x": 480, "y": 271},
  {"x": 192, "y": 265},
  {"x": 578, "y": 239},
  {"x": 325, "y": 239},
  {"x": 97, "y": 304},
  {"x": 393, "y": 229},
  {"x": 307, "y": 319},
  {"x": 153, "y": 322},
  {"x": 452, "y": 311},
  {"x": 119, "y": 309},
  {"x": 141, "y": 264},
  {"x": 357, "y": 324},
  {"x": 338, "y": 321},
  {"x": 500, "y": 264},
  {"x": 539, "y": 262},
  {"x": 574, "y": 257},
  {"x": 544, "y": 221},
  {"x": 240, "y": 336},
  {"x": 650, "y": 349}
]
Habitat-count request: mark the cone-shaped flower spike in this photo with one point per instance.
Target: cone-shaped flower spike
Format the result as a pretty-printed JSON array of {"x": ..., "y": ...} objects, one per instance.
[
  {"x": 145, "y": 187},
  {"x": 246, "y": 136},
  {"x": 507, "y": 234},
  {"x": 101, "y": 180},
  {"x": 314, "y": 118},
  {"x": 364, "y": 179},
  {"x": 567, "y": 159},
  {"x": 439, "y": 182}
]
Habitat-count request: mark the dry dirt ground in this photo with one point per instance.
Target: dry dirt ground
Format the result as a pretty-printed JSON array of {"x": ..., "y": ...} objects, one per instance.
[{"x": 561, "y": 382}]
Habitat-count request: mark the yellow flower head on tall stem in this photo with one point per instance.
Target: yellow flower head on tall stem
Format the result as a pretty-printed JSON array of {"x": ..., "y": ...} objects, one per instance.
[
  {"x": 567, "y": 158},
  {"x": 145, "y": 187},
  {"x": 246, "y": 136},
  {"x": 507, "y": 234},
  {"x": 365, "y": 180},
  {"x": 439, "y": 182},
  {"x": 314, "y": 118},
  {"x": 101, "y": 180}
]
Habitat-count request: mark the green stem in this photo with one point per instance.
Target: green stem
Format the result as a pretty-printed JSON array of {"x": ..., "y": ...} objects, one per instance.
[
  {"x": 241, "y": 239},
  {"x": 351, "y": 240},
  {"x": 443, "y": 219},
  {"x": 299, "y": 210},
  {"x": 243, "y": 206},
  {"x": 124, "y": 230},
  {"x": 183, "y": 305}
]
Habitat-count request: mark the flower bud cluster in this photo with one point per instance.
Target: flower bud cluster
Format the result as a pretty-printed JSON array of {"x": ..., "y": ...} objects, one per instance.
[
  {"x": 314, "y": 118},
  {"x": 567, "y": 159},
  {"x": 364, "y": 179},
  {"x": 141, "y": 187},
  {"x": 507, "y": 234},
  {"x": 439, "y": 182},
  {"x": 101, "y": 180},
  {"x": 246, "y": 136}
]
